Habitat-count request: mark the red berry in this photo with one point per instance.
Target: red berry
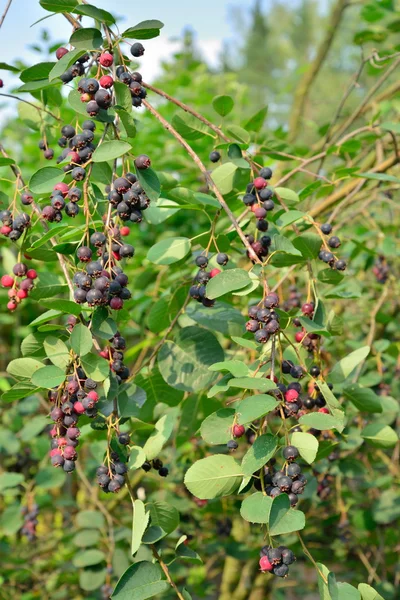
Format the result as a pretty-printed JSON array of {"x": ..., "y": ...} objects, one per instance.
[
  {"x": 62, "y": 187},
  {"x": 12, "y": 305},
  {"x": 238, "y": 430},
  {"x": 125, "y": 231},
  {"x": 62, "y": 441},
  {"x": 1, "y": 83},
  {"x": 79, "y": 408},
  {"x": 265, "y": 565},
  {"x": 104, "y": 354},
  {"x": 324, "y": 410},
  {"x": 31, "y": 274},
  {"x": 69, "y": 452},
  {"x": 106, "y": 59},
  {"x": 22, "y": 294},
  {"x": 73, "y": 157},
  {"x": 116, "y": 255},
  {"x": 215, "y": 272},
  {"x": 60, "y": 52},
  {"x": 55, "y": 452},
  {"x": 93, "y": 396},
  {"x": 106, "y": 81},
  {"x": 5, "y": 230},
  {"x": 260, "y": 183},
  {"x": 291, "y": 395},
  {"x": 300, "y": 335},
  {"x": 116, "y": 303},
  {"x": 7, "y": 281},
  {"x": 307, "y": 309}
]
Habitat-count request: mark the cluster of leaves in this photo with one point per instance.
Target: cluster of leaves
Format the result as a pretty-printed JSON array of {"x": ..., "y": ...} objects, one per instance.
[{"x": 195, "y": 372}]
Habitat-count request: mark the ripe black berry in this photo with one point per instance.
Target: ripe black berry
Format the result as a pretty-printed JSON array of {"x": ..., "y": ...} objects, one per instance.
[
  {"x": 222, "y": 258},
  {"x": 142, "y": 161},
  {"x": 266, "y": 173},
  {"x": 137, "y": 49},
  {"x": 334, "y": 242},
  {"x": 232, "y": 445},
  {"x": 297, "y": 372},
  {"x": 163, "y": 471},
  {"x": 340, "y": 265},
  {"x": 281, "y": 570},
  {"x": 68, "y": 131},
  {"x": 124, "y": 439},
  {"x": 290, "y": 453},
  {"x": 146, "y": 466},
  {"x": 78, "y": 174},
  {"x": 326, "y": 228},
  {"x": 215, "y": 156},
  {"x": 261, "y": 336},
  {"x": 126, "y": 251}
]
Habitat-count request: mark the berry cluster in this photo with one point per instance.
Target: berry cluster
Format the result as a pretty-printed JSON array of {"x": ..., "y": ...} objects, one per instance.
[
  {"x": 276, "y": 560},
  {"x": 295, "y": 402},
  {"x": 325, "y": 253},
  {"x": 78, "y": 148},
  {"x": 19, "y": 290},
  {"x": 134, "y": 82},
  {"x": 77, "y": 397},
  {"x": 30, "y": 515},
  {"x": 156, "y": 464},
  {"x": 258, "y": 198},
  {"x": 111, "y": 477},
  {"x": 128, "y": 196},
  {"x": 264, "y": 321},
  {"x": 114, "y": 354},
  {"x": 48, "y": 153},
  {"x": 95, "y": 93},
  {"x": 103, "y": 283},
  {"x": 237, "y": 432},
  {"x": 289, "y": 480},
  {"x": 74, "y": 70},
  {"x": 198, "y": 289},
  {"x": 14, "y": 226},
  {"x": 381, "y": 269},
  {"x": 310, "y": 341}
]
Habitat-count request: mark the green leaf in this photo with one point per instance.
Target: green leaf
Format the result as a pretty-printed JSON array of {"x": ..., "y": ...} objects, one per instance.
[
  {"x": 86, "y": 38},
  {"x": 48, "y": 285},
  {"x": 95, "y": 367},
  {"x": 139, "y": 524},
  {"x": 309, "y": 245},
  {"x": 57, "y": 352},
  {"x": 223, "y": 177},
  {"x": 130, "y": 399},
  {"x": 289, "y": 217},
  {"x": 36, "y": 72},
  {"x": 140, "y": 581},
  {"x": 144, "y": 30},
  {"x": 239, "y": 134},
  {"x": 236, "y": 367},
  {"x": 321, "y": 421},
  {"x": 103, "y": 326},
  {"x": 5, "y": 67},
  {"x": 98, "y": 14},
  {"x": 36, "y": 86},
  {"x": 227, "y": 281},
  {"x": 223, "y": 105},
  {"x": 24, "y": 367},
  {"x": 19, "y": 391},
  {"x": 253, "y": 383},
  {"x": 33, "y": 428},
  {"x": 10, "y": 480},
  {"x": 150, "y": 183},
  {"x": 88, "y": 558},
  {"x": 368, "y": 593},
  {"x": 123, "y": 95},
  {"x": 256, "y": 122},
  {"x": 44, "y": 180},
  {"x": 156, "y": 388},
  {"x": 380, "y": 177},
  {"x": 217, "y": 427},
  {"x": 364, "y": 399},
  {"x": 49, "y": 315},
  {"x": 86, "y": 537},
  {"x": 189, "y": 126},
  {"x": 162, "y": 432},
  {"x": 74, "y": 99},
  {"x": 127, "y": 119},
  {"x": 81, "y": 340},
  {"x": 289, "y": 196},
  {"x": 64, "y": 63},
  {"x": 92, "y": 578},
  {"x": 136, "y": 457},
  {"x": 164, "y": 517},
  {"x": 213, "y": 477},
  {"x": 283, "y": 519},
  {"x": 5, "y": 162},
  {"x": 255, "y": 407},
  {"x": 92, "y": 519},
  {"x": 380, "y": 435},
  {"x": 169, "y": 251},
  {"x": 223, "y": 318},
  {"x": 307, "y": 445},
  {"x": 58, "y": 6},
  {"x": 344, "y": 368},
  {"x": 259, "y": 453},
  {"x": 160, "y": 210},
  {"x": 256, "y": 508},
  {"x": 386, "y": 507},
  {"x": 48, "y": 377},
  {"x": 110, "y": 150},
  {"x": 66, "y": 306}
]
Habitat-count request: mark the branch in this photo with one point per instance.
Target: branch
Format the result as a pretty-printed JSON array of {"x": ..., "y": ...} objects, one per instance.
[
  {"x": 304, "y": 86},
  {"x": 3, "y": 16},
  {"x": 207, "y": 176},
  {"x": 31, "y": 104}
]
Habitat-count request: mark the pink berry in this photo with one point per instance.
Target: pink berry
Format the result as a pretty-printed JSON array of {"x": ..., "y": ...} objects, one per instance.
[
  {"x": 104, "y": 354},
  {"x": 73, "y": 157},
  {"x": 79, "y": 408},
  {"x": 300, "y": 335},
  {"x": 93, "y": 396},
  {"x": 60, "y": 52},
  {"x": 5, "y": 230},
  {"x": 106, "y": 59},
  {"x": 62, "y": 187},
  {"x": 238, "y": 430},
  {"x": 73, "y": 433},
  {"x": 31, "y": 274},
  {"x": 55, "y": 452},
  {"x": 324, "y": 410},
  {"x": 265, "y": 565},
  {"x": 291, "y": 395},
  {"x": 12, "y": 293},
  {"x": 12, "y": 305},
  {"x": 62, "y": 441},
  {"x": 1, "y": 83},
  {"x": 124, "y": 231},
  {"x": 21, "y": 294},
  {"x": 215, "y": 272},
  {"x": 7, "y": 281},
  {"x": 69, "y": 452},
  {"x": 307, "y": 309},
  {"x": 106, "y": 81},
  {"x": 260, "y": 183},
  {"x": 116, "y": 303}
]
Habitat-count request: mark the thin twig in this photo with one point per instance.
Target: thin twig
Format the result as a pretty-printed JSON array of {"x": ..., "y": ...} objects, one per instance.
[
  {"x": 3, "y": 16},
  {"x": 31, "y": 104}
]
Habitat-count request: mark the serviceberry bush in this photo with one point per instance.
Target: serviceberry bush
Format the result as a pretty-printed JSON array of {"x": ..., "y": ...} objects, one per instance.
[{"x": 201, "y": 385}]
